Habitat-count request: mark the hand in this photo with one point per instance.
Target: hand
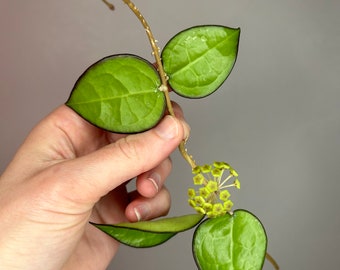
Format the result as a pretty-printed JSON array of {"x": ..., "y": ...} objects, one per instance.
[{"x": 68, "y": 172}]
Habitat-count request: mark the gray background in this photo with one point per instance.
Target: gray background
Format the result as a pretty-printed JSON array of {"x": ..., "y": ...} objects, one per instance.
[{"x": 276, "y": 119}]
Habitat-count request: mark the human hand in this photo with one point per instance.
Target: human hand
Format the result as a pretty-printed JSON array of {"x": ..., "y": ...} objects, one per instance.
[{"x": 68, "y": 172}]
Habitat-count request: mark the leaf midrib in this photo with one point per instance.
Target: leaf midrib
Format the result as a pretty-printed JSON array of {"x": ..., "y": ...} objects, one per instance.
[
  {"x": 111, "y": 98},
  {"x": 204, "y": 53}
]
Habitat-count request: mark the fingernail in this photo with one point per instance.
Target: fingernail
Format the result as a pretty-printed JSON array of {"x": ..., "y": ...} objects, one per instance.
[
  {"x": 155, "y": 179},
  {"x": 141, "y": 212},
  {"x": 168, "y": 128}
]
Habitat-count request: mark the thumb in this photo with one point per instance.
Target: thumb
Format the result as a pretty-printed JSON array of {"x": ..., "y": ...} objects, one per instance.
[{"x": 92, "y": 176}]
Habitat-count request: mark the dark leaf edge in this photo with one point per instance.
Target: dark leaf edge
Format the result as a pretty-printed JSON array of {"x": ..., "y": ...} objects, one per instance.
[
  {"x": 104, "y": 59},
  {"x": 169, "y": 234},
  {"x": 238, "y": 210},
  {"x": 134, "y": 225},
  {"x": 205, "y": 25}
]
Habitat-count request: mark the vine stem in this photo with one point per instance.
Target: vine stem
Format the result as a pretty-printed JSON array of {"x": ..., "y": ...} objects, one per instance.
[
  {"x": 164, "y": 78},
  {"x": 272, "y": 261},
  {"x": 110, "y": 6},
  {"x": 164, "y": 88},
  {"x": 155, "y": 52}
]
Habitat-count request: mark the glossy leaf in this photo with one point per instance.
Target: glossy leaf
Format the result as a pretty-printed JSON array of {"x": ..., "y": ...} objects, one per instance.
[
  {"x": 230, "y": 242},
  {"x": 119, "y": 93},
  {"x": 136, "y": 238},
  {"x": 149, "y": 233},
  {"x": 198, "y": 60}
]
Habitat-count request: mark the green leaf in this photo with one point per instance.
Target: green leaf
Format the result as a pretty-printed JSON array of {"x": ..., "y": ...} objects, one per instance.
[
  {"x": 136, "y": 238},
  {"x": 149, "y": 233},
  {"x": 198, "y": 60},
  {"x": 230, "y": 242},
  {"x": 119, "y": 93}
]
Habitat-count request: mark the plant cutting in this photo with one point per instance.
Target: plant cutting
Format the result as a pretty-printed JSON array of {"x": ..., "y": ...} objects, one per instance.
[{"x": 125, "y": 93}]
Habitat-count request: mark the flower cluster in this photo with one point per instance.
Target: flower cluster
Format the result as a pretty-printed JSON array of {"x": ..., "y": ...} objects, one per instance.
[{"x": 212, "y": 197}]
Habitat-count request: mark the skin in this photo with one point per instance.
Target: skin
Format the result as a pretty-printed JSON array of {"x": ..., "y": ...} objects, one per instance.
[{"x": 67, "y": 173}]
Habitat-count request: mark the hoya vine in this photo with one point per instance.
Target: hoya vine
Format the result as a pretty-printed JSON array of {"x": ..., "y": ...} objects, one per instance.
[
  {"x": 125, "y": 93},
  {"x": 164, "y": 79}
]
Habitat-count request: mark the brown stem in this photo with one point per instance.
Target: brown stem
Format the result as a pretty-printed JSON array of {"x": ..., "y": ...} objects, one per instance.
[
  {"x": 110, "y": 6},
  {"x": 272, "y": 261},
  {"x": 164, "y": 77},
  {"x": 182, "y": 149},
  {"x": 162, "y": 74},
  {"x": 155, "y": 52}
]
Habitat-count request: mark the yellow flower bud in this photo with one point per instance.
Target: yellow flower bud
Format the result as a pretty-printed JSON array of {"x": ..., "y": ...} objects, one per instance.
[
  {"x": 198, "y": 179},
  {"x": 212, "y": 186},
  {"x": 191, "y": 193},
  {"x": 224, "y": 195}
]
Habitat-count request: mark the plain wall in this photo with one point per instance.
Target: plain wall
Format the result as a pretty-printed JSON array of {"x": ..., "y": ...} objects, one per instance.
[{"x": 276, "y": 119}]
